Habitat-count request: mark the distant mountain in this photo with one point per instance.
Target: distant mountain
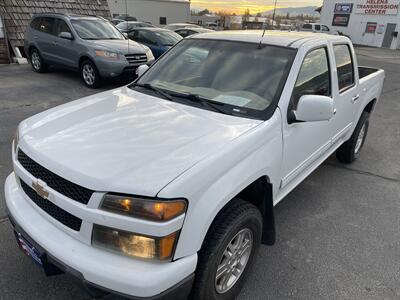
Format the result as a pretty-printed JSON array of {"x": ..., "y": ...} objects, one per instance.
[{"x": 294, "y": 11}]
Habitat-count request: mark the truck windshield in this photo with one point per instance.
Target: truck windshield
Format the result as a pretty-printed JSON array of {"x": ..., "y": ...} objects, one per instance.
[
  {"x": 92, "y": 29},
  {"x": 239, "y": 78}
]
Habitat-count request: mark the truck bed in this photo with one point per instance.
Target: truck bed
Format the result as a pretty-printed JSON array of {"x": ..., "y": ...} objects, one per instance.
[{"x": 365, "y": 71}]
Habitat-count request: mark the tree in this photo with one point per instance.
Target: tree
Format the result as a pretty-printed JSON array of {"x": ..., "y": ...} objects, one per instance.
[
  {"x": 247, "y": 13},
  {"x": 204, "y": 12},
  {"x": 258, "y": 15},
  {"x": 288, "y": 16}
]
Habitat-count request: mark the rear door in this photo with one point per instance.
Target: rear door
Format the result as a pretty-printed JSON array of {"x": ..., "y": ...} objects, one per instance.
[
  {"x": 66, "y": 51},
  {"x": 345, "y": 91},
  {"x": 45, "y": 38}
]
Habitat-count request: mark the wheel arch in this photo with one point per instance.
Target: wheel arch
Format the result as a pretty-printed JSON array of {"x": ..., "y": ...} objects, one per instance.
[
  {"x": 260, "y": 194},
  {"x": 83, "y": 58},
  {"x": 369, "y": 108}
]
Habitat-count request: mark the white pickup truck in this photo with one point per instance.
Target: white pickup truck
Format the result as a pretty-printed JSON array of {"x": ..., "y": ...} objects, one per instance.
[{"x": 166, "y": 187}]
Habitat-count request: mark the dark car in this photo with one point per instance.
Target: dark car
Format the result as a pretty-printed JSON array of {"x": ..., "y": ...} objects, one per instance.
[
  {"x": 159, "y": 40},
  {"x": 129, "y": 25},
  {"x": 184, "y": 32}
]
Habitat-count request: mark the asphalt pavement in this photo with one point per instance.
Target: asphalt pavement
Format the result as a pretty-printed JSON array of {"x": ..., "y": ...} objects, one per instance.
[{"x": 338, "y": 233}]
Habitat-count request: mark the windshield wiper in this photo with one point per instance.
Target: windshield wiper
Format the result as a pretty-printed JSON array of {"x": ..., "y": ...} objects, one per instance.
[
  {"x": 204, "y": 101},
  {"x": 151, "y": 87}
]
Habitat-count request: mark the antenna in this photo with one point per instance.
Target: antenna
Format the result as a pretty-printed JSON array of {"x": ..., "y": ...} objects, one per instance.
[{"x": 127, "y": 24}]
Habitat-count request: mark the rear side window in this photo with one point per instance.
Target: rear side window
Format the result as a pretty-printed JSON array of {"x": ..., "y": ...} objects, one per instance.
[
  {"x": 318, "y": 27},
  {"x": 314, "y": 77},
  {"x": 345, "y": 67},
  {"x": 35, "y": 24},
  {"x": 47, "y": 25},
  {"x": 307, "y": 26}
]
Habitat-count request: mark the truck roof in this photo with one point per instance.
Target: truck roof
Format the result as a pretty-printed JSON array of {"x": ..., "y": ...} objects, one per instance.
[{"x": 292, "y": 39}]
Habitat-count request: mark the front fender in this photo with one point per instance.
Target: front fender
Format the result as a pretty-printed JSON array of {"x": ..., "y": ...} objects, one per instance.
[{"x": 213, "y": 182}]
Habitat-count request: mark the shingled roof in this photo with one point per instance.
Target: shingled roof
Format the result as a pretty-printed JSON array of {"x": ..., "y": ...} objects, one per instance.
[{"x": 16, "y": 14}]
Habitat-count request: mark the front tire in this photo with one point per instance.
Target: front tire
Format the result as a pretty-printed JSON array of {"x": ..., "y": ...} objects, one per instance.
[
  {"x": 90, "y": 75},
  {"x": 348, "y": 152},
  {"x": 228, "y": 252},
  {"x": 37, "y": 62}
]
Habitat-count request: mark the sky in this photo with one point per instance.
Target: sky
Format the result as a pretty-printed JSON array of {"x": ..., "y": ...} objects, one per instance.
[{"x": 255, "y": 6}]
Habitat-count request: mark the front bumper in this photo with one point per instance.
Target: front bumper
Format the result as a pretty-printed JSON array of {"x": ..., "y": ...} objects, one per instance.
[
  {"x": 109, "y": 69},
  {"x": 105, "y": 270}
]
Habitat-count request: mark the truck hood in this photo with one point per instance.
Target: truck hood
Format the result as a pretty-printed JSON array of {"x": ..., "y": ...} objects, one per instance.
[
  {"x": 125, "y": 141},
  {"x": 121, "y": 46}
]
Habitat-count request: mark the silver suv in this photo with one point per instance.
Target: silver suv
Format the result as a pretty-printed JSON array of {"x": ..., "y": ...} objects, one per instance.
[{"x": 91, "y": 45}]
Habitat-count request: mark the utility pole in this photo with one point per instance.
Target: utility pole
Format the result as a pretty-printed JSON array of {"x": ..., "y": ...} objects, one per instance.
[{"x": 273, "y": 16}]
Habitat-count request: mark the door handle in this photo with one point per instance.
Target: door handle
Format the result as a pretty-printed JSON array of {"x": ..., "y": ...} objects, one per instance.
[
  {"x": 355, "y": 98},
  {"x": 55, "y": 44},
  {"x": 334, "y": 111},
  {"x": 35, "y": 36}
]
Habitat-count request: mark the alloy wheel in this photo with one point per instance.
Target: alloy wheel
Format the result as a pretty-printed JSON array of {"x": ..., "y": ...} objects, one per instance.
[{"x": 234, "y": 260}]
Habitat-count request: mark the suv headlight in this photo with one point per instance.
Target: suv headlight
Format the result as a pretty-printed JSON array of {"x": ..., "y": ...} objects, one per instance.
[
  {"x": 16, "y": 140},
  {"x": 136, "y": 245},
  {"x": 149, "y": 54},
  {"x": 107, "y": 54},
  {"x": 152, "y": 210}
]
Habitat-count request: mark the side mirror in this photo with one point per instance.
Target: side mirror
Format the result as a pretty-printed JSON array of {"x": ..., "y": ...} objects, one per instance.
[
  {"x": 141, "y": 69},
  {"x": 313, "y": 108},
  {"x": 66, "y": 35}
]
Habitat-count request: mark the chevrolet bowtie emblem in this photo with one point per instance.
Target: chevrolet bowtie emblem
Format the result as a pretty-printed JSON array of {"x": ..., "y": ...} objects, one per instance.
[{"x": 40, "y": 189}]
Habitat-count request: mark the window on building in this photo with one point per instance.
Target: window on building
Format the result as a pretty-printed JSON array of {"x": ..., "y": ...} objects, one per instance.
[
  {"x": 314, "y": 77},
  {"x": 163, "y": 20},
  {"x": 345, "y": 67}
]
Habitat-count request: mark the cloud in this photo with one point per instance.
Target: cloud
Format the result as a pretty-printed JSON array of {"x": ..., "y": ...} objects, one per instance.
[{"x": 238, "y": 6}]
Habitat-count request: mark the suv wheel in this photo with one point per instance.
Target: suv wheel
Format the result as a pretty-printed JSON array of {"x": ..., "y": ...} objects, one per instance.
[
  {"x": 90, "y": 75},
  {"x": 37, "y": 63},
  {"x": 347, "y": 153},
  {"x": 228, "y": 252}
]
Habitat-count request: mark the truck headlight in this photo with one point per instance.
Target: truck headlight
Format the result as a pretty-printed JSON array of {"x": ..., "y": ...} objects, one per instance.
[
  {"x": 132, "y": 244},
  {"x": 16, "y": 140},
  {"x": 152, "y": 210},
  {"x": 107, "y": 54}
]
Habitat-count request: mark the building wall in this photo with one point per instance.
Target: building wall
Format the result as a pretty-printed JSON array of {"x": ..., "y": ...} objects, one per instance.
[
  {"x": 356, "y": 28},
  {"x": 152, "y": 10}
]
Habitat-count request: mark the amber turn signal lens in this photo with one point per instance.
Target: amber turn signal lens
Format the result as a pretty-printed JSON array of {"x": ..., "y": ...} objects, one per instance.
[{"x": 143, "y": 208}]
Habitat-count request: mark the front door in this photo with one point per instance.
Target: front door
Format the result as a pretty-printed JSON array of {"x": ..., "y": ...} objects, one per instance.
[
  {"x": 388, "y": 38},
  {"x": 306, "y": 142},
  {"x": 65, "y": 50}
]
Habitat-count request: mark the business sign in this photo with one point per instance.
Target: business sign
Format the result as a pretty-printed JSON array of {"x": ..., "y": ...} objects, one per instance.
[
  {"x": 341, "y": 20},
  {"x": 377, "y": 7},
  {"x": 345, "y": 8},
  {"x": 380, "y": 29},
  {"x": 371, "y": 27}
]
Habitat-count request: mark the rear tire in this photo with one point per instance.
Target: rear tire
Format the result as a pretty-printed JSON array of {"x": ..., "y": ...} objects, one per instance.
[
  {"x": 229, "y": 248},
  {"x": 37, "y": 62},
  {"x": 90, "y": 75},
  {"x": 348, "y": 152}
]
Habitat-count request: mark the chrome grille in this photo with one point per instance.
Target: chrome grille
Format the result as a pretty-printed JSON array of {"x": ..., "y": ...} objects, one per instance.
[{"x": 135, "y": 59}]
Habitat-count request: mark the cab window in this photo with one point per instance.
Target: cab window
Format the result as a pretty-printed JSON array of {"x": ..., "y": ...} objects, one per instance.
[
  {"x": 314, "y": 77},
  {"x": 318, "y": 27},
  {"x": 344, "y": 66},
  {"x": 325, "y": 28}
]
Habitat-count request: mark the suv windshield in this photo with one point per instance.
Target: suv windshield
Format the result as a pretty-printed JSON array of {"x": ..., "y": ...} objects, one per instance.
[
  {"x": 94, "y": 29},
  {"x": 242, "y": 78}
]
